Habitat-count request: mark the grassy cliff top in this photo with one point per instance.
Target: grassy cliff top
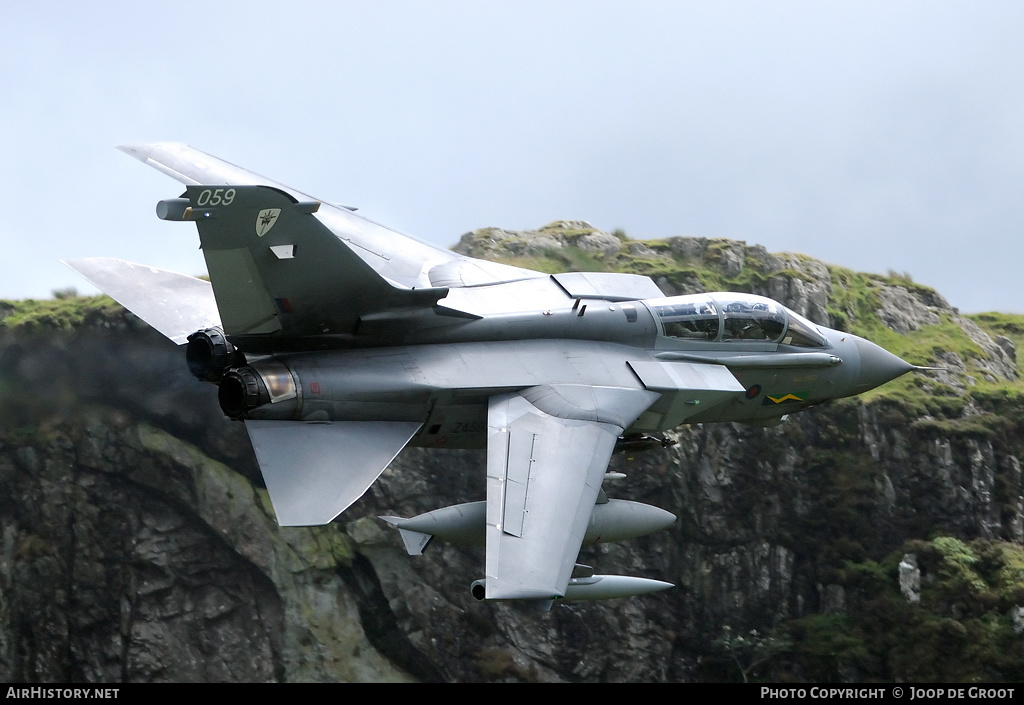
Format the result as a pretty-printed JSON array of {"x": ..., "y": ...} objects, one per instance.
[{"x": 65, "y": 311}]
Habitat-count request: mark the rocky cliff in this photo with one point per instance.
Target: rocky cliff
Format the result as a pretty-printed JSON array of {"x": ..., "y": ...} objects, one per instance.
[{"x": 876, "y": 538}]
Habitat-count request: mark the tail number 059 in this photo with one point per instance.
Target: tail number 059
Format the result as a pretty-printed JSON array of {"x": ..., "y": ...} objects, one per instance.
[{"x": 216, "y": 197}]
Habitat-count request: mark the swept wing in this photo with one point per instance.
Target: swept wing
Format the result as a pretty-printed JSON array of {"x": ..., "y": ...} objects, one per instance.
[{"x": 547, "y": 451}]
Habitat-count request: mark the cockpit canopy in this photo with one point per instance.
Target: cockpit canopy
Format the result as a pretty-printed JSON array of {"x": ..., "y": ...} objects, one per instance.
[{"x": 733, "y": 317}]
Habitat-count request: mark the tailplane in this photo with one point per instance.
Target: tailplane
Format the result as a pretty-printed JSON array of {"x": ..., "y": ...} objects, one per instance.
[{"x": 174, "y": 304}]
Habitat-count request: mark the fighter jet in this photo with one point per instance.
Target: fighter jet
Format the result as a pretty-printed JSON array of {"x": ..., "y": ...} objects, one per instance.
[{"x": 338, "y": 342}]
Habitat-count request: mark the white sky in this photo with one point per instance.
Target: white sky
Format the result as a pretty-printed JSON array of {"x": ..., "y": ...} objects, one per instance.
[{"x": 875, "y": 135}]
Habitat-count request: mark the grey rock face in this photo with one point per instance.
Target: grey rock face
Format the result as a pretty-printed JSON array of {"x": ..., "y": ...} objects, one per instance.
[
  {"x": 910, "y": 578},
  {"x": 999, "y": 360},
  {"x": 903, "y": 312},
  {"x": 137, "y": 543},
  {"x": 599, "y": 242}
]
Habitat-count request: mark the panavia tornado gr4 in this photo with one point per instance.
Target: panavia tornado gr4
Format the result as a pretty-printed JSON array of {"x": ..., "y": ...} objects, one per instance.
[{"x": 338, "y": 342}]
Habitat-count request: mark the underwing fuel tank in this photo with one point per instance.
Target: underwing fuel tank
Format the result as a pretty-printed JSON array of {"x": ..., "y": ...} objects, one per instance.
[
  {"x": 465, "y": 524},
  {"x": 596, "y": 587}
]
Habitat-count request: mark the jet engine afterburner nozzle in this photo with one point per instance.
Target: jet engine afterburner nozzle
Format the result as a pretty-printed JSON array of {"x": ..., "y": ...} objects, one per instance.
[
  {"x": 209, "y": 355},
  {"x": 241, "y": 391}
]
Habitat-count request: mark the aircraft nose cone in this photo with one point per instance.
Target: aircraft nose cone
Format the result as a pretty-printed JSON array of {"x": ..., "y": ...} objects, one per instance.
[{"x": 877, "y": 366}]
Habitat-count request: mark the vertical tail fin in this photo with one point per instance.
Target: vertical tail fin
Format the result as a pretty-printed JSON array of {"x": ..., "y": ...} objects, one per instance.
[{"x": 276, "y": 269}]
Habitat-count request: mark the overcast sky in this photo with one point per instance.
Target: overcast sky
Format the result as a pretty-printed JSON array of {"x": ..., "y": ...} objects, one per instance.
[{"x": 876, "y": 135}]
